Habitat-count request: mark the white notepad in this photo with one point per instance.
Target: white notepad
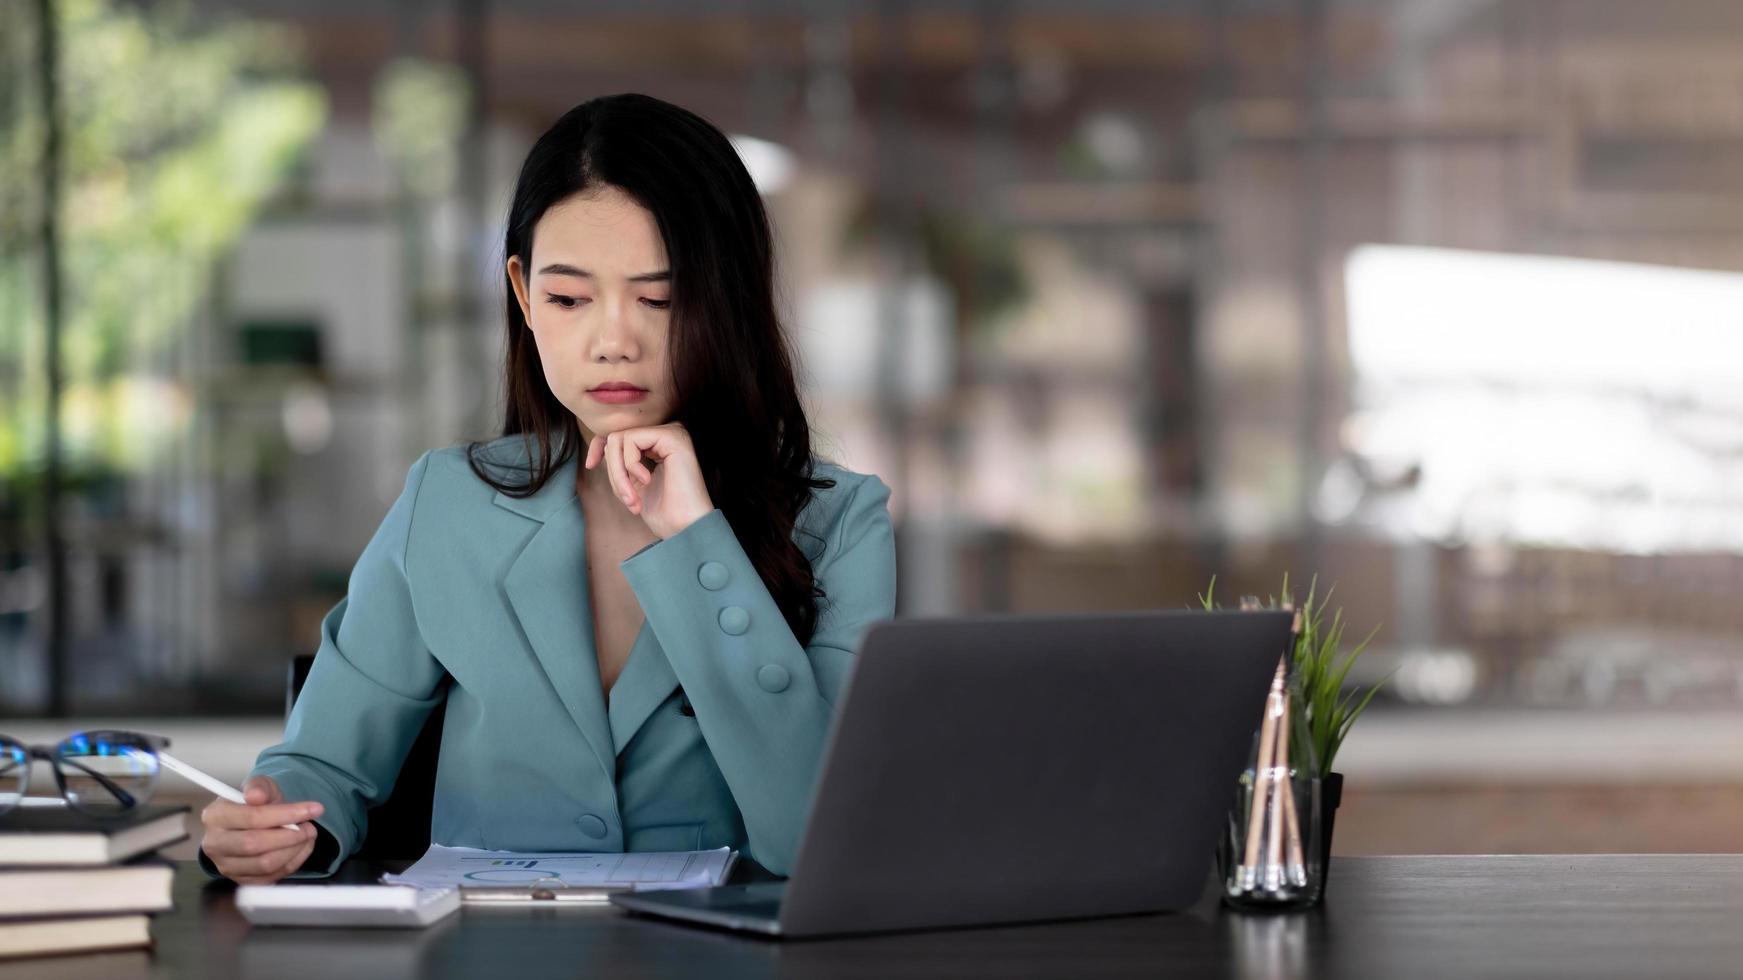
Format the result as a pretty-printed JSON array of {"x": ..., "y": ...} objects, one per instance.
[{"x": 471, "y": 867}]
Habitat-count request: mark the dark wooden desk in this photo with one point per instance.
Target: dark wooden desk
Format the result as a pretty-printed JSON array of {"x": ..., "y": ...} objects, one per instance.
[{"x": 1536, "y": 916}]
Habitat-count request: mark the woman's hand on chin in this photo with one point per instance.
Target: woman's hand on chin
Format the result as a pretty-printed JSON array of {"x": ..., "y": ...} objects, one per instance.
[{"x": 655, "y": 474}]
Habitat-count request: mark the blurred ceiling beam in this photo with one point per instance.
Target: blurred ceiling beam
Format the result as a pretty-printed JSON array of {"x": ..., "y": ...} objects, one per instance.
[
  {"x": 713, "y": 39},
  {"x": 1066, "y": 203}
]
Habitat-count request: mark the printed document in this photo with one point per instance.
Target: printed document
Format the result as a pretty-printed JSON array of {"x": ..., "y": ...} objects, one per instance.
[{"x": 471, "y": 867}]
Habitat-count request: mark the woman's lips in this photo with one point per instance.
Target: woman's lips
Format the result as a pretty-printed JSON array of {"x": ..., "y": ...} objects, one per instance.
[{"x": 618, "y": 396}]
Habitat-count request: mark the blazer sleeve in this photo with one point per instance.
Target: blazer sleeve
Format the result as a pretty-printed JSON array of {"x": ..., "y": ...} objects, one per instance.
[
  {"x": 367, "y": 696},
  {"x": 763, "y": 701}
]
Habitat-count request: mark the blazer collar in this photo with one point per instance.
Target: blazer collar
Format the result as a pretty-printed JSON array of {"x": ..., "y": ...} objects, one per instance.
[{"x": 558, "y": 491}]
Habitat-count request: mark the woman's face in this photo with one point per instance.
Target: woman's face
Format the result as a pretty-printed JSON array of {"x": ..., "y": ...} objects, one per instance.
[{"x": 597, "y": 299}]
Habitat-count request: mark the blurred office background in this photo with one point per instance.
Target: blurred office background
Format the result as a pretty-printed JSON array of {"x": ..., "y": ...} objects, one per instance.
[{"x": 1438, "y": 300}]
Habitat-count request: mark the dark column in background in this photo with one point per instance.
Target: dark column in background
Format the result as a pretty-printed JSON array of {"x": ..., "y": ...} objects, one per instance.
[
  {"x": 1310, "y": 270},
  {"x": 896, "y": 237},
  {"x": 54, "y": 540},
  {"x": 473, "y": 20},
  {"x": 1171, "y": 395}
]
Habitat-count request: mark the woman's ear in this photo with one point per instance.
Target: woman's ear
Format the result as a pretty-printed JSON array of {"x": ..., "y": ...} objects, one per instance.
[{"x": 519, "y": 283}]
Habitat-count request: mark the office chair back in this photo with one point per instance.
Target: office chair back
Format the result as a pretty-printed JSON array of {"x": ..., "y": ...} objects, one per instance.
[{"x": 399, "y": 828}]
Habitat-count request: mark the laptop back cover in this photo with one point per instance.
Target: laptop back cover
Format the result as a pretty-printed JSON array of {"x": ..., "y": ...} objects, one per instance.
[{"x": 1013, "y": 768}]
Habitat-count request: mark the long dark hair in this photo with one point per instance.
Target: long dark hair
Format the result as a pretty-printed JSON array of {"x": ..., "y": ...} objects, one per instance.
[{"x": 732, "y": 373}]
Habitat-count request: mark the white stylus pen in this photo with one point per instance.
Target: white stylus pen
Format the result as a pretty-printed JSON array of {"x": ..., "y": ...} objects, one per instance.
[{"x": 223, "y": 789}]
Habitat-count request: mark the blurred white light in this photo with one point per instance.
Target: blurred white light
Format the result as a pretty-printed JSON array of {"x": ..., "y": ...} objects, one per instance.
[
  {"x": 1552, "y": 401},
  {"x": 1436, "y": 676},
  {"x": 770, "y": 164},
  {"x": 1115, "y": 141},
  {"x": 1441, "y": 314},
  {"x": 1340, "y": 493},
  {"x": 308, "y": 419},
  {"x": 843, "y": 327}
]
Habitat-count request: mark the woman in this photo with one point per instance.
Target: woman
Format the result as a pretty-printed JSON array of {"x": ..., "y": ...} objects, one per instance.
[{"x": 639, "y": 603}]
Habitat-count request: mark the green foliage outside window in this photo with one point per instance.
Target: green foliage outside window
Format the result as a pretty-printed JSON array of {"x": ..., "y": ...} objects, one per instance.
[{"x": 177, "y": 131}]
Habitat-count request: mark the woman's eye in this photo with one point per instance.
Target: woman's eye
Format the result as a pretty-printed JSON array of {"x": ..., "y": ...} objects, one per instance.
[
  {"x": 658, "y": 304},
  {"x": 566, "y": 302}
]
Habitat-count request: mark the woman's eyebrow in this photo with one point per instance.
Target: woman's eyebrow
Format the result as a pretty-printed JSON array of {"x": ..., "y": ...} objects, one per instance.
[{"x": 561, "y": 269}]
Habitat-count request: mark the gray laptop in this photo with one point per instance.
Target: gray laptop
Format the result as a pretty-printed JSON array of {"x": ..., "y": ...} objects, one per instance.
[{"x": 995, "y": 769}]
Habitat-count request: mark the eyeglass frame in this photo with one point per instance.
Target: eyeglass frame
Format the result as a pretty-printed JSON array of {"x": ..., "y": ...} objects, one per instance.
[{"x": 51, "y": 754}]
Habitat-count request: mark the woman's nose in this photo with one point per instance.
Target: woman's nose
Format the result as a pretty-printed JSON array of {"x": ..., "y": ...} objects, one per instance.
[{"x": 616, "y": 338}]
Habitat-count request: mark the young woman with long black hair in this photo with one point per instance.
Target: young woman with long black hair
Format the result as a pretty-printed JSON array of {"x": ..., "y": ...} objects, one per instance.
[{"x": 640, "y": 602}]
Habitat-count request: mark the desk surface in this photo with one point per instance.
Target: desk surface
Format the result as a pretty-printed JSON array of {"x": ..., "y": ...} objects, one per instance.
[{"x": 1582, "y": 915}]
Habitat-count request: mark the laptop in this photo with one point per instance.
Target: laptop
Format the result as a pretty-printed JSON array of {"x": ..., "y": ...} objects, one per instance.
[{"x": 1015, "y": 768}]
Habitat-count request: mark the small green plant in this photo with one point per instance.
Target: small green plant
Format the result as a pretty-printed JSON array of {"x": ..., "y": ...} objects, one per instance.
[{"x": 1330, "y": 710}]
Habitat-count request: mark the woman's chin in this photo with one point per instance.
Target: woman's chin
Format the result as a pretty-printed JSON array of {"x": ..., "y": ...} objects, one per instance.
[{"x": 603, "y": 420}]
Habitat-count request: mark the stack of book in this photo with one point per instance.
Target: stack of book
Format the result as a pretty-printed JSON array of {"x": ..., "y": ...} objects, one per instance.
[{"x": 72, "y": 883}]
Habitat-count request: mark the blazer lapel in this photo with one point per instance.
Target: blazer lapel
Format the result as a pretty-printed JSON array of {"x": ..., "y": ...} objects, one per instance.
[
  {"x": 548, "y": 591},
  {"x": 646, "y": 682}
]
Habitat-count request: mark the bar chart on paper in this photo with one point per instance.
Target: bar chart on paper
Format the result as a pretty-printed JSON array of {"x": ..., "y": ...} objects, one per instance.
[{"x": 442, "y": 867}]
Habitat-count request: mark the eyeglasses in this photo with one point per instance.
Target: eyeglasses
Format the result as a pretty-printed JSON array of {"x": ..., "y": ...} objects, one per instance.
[{"x": 101, "y": 772}]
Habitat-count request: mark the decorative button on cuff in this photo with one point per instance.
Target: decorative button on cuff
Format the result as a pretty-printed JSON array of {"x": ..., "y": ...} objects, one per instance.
[
  {"x": 712, "y": 575},
  {"x": 592, "y": 826},
  {"x": 734, "y": 620},
  {"x": 773, "y": 678}
]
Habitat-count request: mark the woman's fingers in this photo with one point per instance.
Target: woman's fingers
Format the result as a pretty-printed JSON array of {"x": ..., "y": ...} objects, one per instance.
[
  {"x": 261, "y": 789},
  {"x": 252, "y": 843},
  {"x": 636, "y": 446},
  {"x": 261, "y": 870},
  {"x": 632, "y": 458},
  {"x": 297, "y": 859},
  {"x": 278, "y": 814},
  {"x": 605, "y": 464},
  {"x": 222, "y": 814},
  {"x": 254, "y": 864},
  {"x": 249, "y": 843},
  {"x": 236, "y": 842},
  {"x": 606, "y": 449},
  {"x": 626, "y": 455},
  {"x": 620, "y": 482},
  {"x": 251, "y": 857}
]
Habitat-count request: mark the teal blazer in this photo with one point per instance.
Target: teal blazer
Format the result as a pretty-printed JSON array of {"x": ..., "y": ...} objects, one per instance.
[{"x": 466, "y": 583}]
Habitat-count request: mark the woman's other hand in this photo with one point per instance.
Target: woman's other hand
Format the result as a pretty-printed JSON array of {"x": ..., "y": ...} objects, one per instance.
[{"x": 655, "y": 473}]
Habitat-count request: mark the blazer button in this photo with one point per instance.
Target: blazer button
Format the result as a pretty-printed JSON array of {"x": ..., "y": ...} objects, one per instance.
[
  {"x": 734, "y": 620},
  {"x": 592, "y": 826},
  {"x": 712, "y": 575},
  {"x": 773, "y": 678}
]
